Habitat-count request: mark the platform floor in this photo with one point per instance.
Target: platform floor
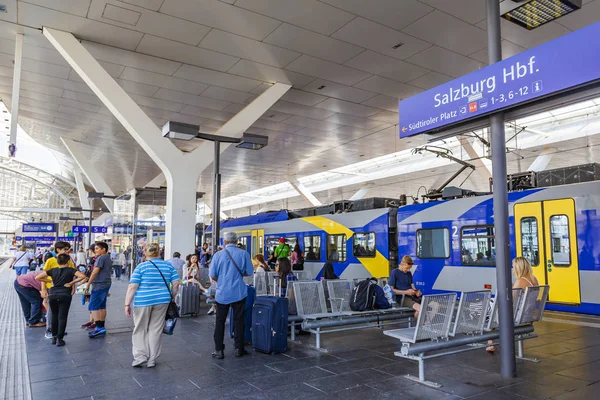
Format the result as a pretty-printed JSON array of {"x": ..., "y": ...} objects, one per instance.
[{"x": 359, "y": 365}]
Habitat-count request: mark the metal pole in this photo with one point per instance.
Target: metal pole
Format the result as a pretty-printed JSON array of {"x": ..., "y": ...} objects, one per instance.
[
  {"x": 498, "y": 147},
  {"x": 14, "y": 109},
  {"x": 90, "y": 230},
  {"x": 216, "y": 231}
]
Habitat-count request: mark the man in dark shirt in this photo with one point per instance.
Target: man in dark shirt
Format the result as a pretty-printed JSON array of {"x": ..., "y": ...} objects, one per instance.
[
  {"x": 402, "y": 284},
  {"x": 100, "y": 282}
]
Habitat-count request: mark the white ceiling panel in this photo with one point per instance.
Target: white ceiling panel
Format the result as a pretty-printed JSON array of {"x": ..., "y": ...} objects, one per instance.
[
  {"x": 266, "y": 73},
  {"x": 11, "y": 12},
  {"x": 381, "y": 39},
  {"x": 450, "y": 33},
  {"x": 445, "y": 62},
  {"x": 509, "y": 49},
  {"x": 302, "y": 97},
  {"x": 383, "y": 102},
  {"x": 28, "y": 86},
  {"x": 430, "y": 80},
  {"x": 346, "y": 107},
  {"x": 393, "y": 13},
  {"x": 278, "y": 127},
  {"x": 76, "y": 7},
  {"x": 53, "y": 70},
  {"x": 146, "y": 21},
  {"x": 216, "y": 78},
  {"x": 185, "y": 98},
  {"x": 314, "y": 44},
  {"x": 206, "y": 113},
  {"x": 327, "y": 70},
  {"x": 222, "y": 16},
  {"x": 385, "y": 66},
  {"x": 589, "y": 14},
  {"x": 303, "y": 111},
  {"x": 312, "y": 123},
  {"x": 131, "y": 59},
  {"x": 351, "y": 120},
  {"x": 156, "y": 46},
  {"x": 53, "y": 82},
  {"x": 471, "y": 11},
  {"x": 168, "y": 82},
  {"x": 34, "y": 16},
  {"x": 331, "y": 89},
  {"x": 137, "y": 88},
  {"x": 84, "y": 97},
  {"x": 308, "y": 14},
  {"x": 157, "y": 103},
  {"x": 149, "y": 4},
  {"x": 388, "y": 87},
  {"x": 386, "y": 116},
  {"x": 275, "y": 116},
  {"x": 249, "y": 49},
  {"x": 234, "y": 108},
  {"x": 223, "y": 94}
]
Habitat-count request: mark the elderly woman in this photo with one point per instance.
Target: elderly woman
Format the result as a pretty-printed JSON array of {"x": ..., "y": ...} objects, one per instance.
[{"x": 149, "y": 288}]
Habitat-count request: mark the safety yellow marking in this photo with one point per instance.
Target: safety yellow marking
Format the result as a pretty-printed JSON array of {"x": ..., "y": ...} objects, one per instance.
[
  {"x": 329, "y": 226},
  {"x": 377, "y": 266}
]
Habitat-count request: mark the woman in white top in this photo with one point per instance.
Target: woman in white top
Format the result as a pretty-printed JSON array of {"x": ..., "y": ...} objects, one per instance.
[
  {"x": 21, "y": 261},
  {"x": 81, "y": 259}
]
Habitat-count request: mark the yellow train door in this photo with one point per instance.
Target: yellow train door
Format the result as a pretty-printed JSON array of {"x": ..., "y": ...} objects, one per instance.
[
  {"x": 258, "y": 236},
  {"x": 546, "y": 236}
]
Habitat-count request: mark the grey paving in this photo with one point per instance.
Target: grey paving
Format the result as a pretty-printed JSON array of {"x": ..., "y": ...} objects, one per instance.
[{"x": 359, "y": 365}]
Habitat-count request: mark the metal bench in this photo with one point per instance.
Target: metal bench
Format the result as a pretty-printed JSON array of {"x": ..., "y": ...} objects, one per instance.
[
  {"x": 260, "y": 284},
  {"x": 312, "y": 308},
  {"x": 432, "y": 332},
  {"x": 303, "y": 275}
]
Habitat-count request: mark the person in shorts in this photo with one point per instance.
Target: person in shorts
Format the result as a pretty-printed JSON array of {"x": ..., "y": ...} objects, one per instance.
[
  {"x": 401, "y": 283},
  {"x": 100, "y": 282}
]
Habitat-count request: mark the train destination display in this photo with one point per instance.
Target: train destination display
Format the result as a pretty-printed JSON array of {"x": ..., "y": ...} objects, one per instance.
[{"x": 556, "y": 66}]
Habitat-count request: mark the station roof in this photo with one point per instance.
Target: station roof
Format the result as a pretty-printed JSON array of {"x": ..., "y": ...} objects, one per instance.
[{"x": 349, "y": 62}]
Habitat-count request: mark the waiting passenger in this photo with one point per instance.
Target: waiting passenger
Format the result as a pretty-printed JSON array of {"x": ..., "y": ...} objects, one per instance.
[
  {"x": 297, "y": 258},
  {"x": 21, "y": 261},
  {"x": 284, "y": 269},
  {"x": 60, "y": 294},
  {"x": 193, "y": 272},
  {"x": 333, "y": 254},
  {"x": 177, "y": 263},
  {"x": 149, "y": 291},
  {"x": 479, "y": 259},
  {"x": 401, "y": 283},
  {"x": 282, "y": 250},
  {"x": 260, "y": 266},
  {"x": 328, "y": 272},
  {"x": 28, "y": 289},
  {"x": 525, "y": 278}
]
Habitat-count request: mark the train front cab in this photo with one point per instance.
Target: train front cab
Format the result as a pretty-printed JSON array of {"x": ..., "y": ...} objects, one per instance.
[{"x": 545, "y": 233}]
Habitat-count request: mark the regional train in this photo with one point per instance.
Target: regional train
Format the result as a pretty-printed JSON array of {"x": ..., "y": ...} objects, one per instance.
[{"x": 451, "y": 241}]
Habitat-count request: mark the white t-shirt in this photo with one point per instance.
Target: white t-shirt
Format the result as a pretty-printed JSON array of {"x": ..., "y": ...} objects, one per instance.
[{"x": 23, "y": 258}]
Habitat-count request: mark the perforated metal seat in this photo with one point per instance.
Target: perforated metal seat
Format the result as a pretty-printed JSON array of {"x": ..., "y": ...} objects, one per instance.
[
  {"x": 310, "y": 298},
  {"x": 531, "y": 308},
  {"x": 260, "y": 284},
  {"x": 303, "y": 275},
  {"x": 492, "y": 319},
  {"x": 472, "y": 310},
  {"x": 339, "y": 291}
]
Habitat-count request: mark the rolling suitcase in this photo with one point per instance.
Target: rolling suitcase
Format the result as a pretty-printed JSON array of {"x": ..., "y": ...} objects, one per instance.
[
  {"x": 270, "y": 325},
  {"x": 188, "y": 299},
  {"x": 247, "y": 316}
]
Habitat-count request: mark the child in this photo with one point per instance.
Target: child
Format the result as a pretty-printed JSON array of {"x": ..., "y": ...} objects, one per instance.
[{"x": 60, "y": 294}]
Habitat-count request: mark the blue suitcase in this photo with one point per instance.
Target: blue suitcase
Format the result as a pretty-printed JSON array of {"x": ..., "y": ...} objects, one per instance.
[
  {"x": 270, "y": 324},
  {"x": 247, "y": 316}
]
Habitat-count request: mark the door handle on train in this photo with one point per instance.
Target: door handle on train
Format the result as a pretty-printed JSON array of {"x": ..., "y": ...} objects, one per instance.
[{"x": 549, "y": 265}]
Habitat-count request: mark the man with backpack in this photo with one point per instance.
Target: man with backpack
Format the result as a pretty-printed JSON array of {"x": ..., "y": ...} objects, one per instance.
[{"x": 283, "y": 250}]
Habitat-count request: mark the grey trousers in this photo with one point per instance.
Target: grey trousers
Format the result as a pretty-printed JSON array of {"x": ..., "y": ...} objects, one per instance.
[{"x": 147, "y": 332}]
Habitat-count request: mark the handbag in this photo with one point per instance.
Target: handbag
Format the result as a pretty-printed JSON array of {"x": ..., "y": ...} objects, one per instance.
[{"x": 172, "y": 310}]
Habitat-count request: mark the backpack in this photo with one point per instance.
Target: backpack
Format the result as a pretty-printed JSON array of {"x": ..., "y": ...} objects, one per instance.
[
  {"x": 282, "y": 252},
  {"x": 381, "y": 301},
  {"x": 363, "y": 295},
  {"x": 47, "y": 256}
]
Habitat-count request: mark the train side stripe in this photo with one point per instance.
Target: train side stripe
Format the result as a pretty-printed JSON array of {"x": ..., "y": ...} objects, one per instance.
[
  {"x": 378, "y": 266},
  {"x": 329, "y": 226}
]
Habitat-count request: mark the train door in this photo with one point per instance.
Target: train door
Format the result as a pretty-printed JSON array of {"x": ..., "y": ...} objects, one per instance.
[
  {"x": 546, "y": 236},
  {"x": 258, "y": 236}
]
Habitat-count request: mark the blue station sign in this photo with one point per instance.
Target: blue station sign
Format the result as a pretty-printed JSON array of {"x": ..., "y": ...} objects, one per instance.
[
  {"x": 39, "y": 228},
  {"x": 99, "y": 229},
  {"x": 80, "y": 229},
  {"x": 43, "y": 238},
  {"x": 564, "y": 63}
]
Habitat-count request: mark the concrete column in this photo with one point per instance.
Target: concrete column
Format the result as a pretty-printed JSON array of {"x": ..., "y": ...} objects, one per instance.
[
  {"x": 304, "y": 192},
  {"x": 180, "y": 230},
  {"x": 542, "y": 160}
]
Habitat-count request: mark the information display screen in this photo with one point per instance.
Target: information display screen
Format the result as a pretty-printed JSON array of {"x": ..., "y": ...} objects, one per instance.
[
  {"x": 569, "y": 61},
  {"x": 41, "y": 228}
]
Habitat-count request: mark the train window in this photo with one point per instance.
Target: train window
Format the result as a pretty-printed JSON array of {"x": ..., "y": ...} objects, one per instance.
[
  {"x": 478, "y": 245},
  {"x": 561, "y": 245},
  {"x": 272, "y": 243},
  {"x": 336, "y": 248},
  {"x": 364, "y": 245},
  {"x": 243, "y": 240},
  {"x": 312, "y": 248},
  {"x": 433, "y": 243},
  {"x": 291, "y": 240},
  {"x": 530, "y": 241}
]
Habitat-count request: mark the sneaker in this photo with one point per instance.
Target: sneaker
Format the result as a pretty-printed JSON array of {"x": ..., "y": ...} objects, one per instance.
[
  {"x": 91, "y": 326},
  {"x": 97, "y": 332},
  {"x": 137, "y": 364},
  {"x": 151, "y": 364},
  {"x": 87, "y": 324},
  {"x": 54, "y": 340},
  {"x": 48, "y": 335},
  {"x": 38, "y": 325},
  {"x": 210, "y": 312},
  {"x": 60, "y": 343}
]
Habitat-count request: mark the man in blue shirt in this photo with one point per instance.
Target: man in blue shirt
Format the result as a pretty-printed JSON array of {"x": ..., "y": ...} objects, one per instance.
[
  {"x": 228, "y": 268},
  {"x": 402, "y": 284}
]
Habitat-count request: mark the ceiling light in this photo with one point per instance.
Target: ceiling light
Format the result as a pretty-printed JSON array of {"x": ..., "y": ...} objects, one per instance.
[
  {"x": 321, "y": 87},
  {"x": 253, "y": 142},
  {"x": 531, "y": 14},
  {"x": 179, "y": 130},
  {"x": 398, "y": 45}
]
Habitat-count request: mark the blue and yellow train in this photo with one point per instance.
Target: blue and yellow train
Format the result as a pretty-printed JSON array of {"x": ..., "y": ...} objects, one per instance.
[{"x": 452, "y": 241}]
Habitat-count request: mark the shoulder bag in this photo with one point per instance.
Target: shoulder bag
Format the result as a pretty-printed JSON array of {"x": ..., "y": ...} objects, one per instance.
[
  {"x": 172, "y": 311},
  {"x": 234, "y": 263}
]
